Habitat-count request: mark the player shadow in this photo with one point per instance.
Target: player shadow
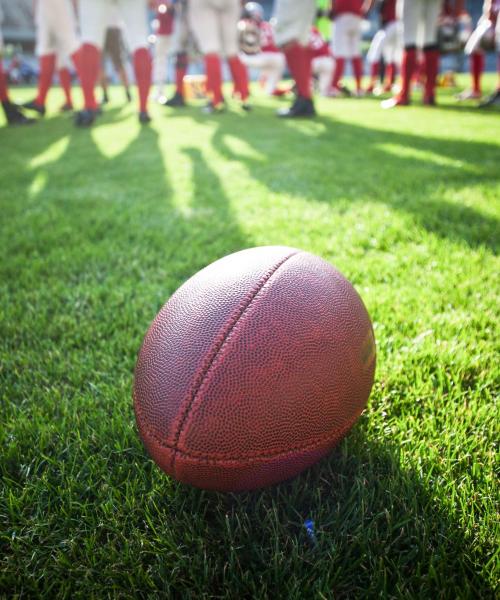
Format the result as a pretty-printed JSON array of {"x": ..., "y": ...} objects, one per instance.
[
  {"x": 339, "y": 163},
  {"x": 136, "y": 244},
  {"x": 378, "y": 530}
]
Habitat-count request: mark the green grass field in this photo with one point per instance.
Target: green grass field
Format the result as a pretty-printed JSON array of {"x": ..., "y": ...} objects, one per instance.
[{"x": 99, "y": 227}]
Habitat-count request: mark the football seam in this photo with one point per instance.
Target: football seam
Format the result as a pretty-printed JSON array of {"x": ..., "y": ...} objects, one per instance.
[
  {"x": 217, "y": 347},
  {"x": 259, "y": 457}
]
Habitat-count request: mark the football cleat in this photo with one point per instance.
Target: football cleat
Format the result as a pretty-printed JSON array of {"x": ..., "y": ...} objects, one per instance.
[
  {"x": 176, "y": 101},
  {"x": 66, "y": 107},
  {"x": 394, "y": 101},
  {"x": 493, "y": 100},
  {"x": 144, "y": 118},
  {"x": 14, "y": 115},
  {"x": 468, "y": 95},
  {"x": 429, "y": 100},
  {"x": 85, "y": 118},
  {"x": 302, "y": 107},
  {"x": 128, "y": 95},
  {"x": 38, "y": 108}
]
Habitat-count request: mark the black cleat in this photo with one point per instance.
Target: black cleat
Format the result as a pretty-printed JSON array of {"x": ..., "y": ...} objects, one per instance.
[
  {"x": 32, "y": 105},
  {"x": 128, "y": 95},
  {"x": 144, "y": 118},
  {"x": 176, "y": 101},
  {"x": 246, "y": 107},
  {"x": 493, "y": 100},
  {"x": 14, "y": 115},
  {"x": 66, "y": 107},
  {"x": 85, "y": 118},
  {"x": 302, "y": 107}
]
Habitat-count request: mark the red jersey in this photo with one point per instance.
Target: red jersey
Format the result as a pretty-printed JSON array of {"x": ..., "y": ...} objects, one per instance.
[
  {"x": 348, "y": 6},
  {"x": 388, "y": 11},
  {"x": 317, "y": 45},
  {"x": 267, "y": 43},
  {"x": 165, "y": 18}
]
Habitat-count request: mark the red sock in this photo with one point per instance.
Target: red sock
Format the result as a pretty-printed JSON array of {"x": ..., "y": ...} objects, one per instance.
[
  {"x": 357, "y": 67},
  {"x": 214, "y": 77},
  {"x": 87, "y": 61},
  {"x": 498, "y": 72},
  {"x": 408, "y": 67},
  {"x": 239, "y": 74},
  {"x": 65, "y": 81},
  {"x": 374, "y": 72},
  {"x": 339, "y": 71},
  {"x": 298, "y": 59},
  {"x": 390, "y": 74},
  {"x": 47, "y": 66},
  {"x": 180, "y": 73},
  {"x": 477, "y": 68},
  {"x": 4, "y": 93},
  {"x": 142, "y": 70},
  {"x": 181, "y": 66},
  {"x": 431, "y": 58}
]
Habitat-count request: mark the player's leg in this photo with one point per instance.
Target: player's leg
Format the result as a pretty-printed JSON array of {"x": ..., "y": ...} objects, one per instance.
[
  {"x": 181, "y": 66},
  {"x": 160, "y": 61},
  {"x": 46, "y": 52},
  {"x": 494, "y": 99},
  {"x": 293, "y": 23},
  {"x": 323, "y": 68},
  {"x": 93, "y": 20},
  {"x": 391, "y": 53},
  {"x": 229, "y": 16},
  {"x": 204, "y": 23},
  {"x": 134, "y": 15},
  {"x": 413, "y": 11},
  {"x": 431, "y": 50},
  {"x": 275, "y": 67},
  {"x": 340, "y": 49},
  {"x": 373, "y": 58},
  {"x": 117, "y": 53},
  {"x": 181, "y": 38},
  {"x": 64, "y": 74},
  {"x": 355, "y": 51},
  {"x": 476, "y": 60}
]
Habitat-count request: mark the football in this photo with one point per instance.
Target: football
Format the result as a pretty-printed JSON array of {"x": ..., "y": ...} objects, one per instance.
[{"x": 253, "y": 370}]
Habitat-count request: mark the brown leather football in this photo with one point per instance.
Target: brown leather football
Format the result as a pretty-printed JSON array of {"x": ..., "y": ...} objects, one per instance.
[{"x": 253, "y": 370}]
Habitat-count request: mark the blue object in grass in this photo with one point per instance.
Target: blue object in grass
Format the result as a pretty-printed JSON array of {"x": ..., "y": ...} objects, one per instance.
[{"x": 309, "y": 525}]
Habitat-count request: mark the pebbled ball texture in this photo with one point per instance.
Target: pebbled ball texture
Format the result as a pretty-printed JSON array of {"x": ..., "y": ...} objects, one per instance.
[{"x": 253, "y": 370}]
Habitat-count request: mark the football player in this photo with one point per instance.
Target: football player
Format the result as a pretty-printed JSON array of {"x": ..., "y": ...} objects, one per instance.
[
  {"x": 387, "y": 43},
  {"x": 95, "y": 16},
  {"x": 164, "y": 24},
  {"x": 293, "y": 23},
  {"x": 258, "y": 48},
  {"x": 322, "y": 60},
  {"x": 214, "y": 24},
  {"x": 13, "y": 113},
  {"x": 420, "y": 21},
  {"x": 346, "y": 41},
  {"x": 56, "y": 41}
]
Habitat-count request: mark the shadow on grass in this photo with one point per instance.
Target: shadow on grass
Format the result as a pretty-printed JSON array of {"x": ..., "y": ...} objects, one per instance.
[
  {"x": 380, "y": 532},
  {"x": 336, "y": 162}
]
